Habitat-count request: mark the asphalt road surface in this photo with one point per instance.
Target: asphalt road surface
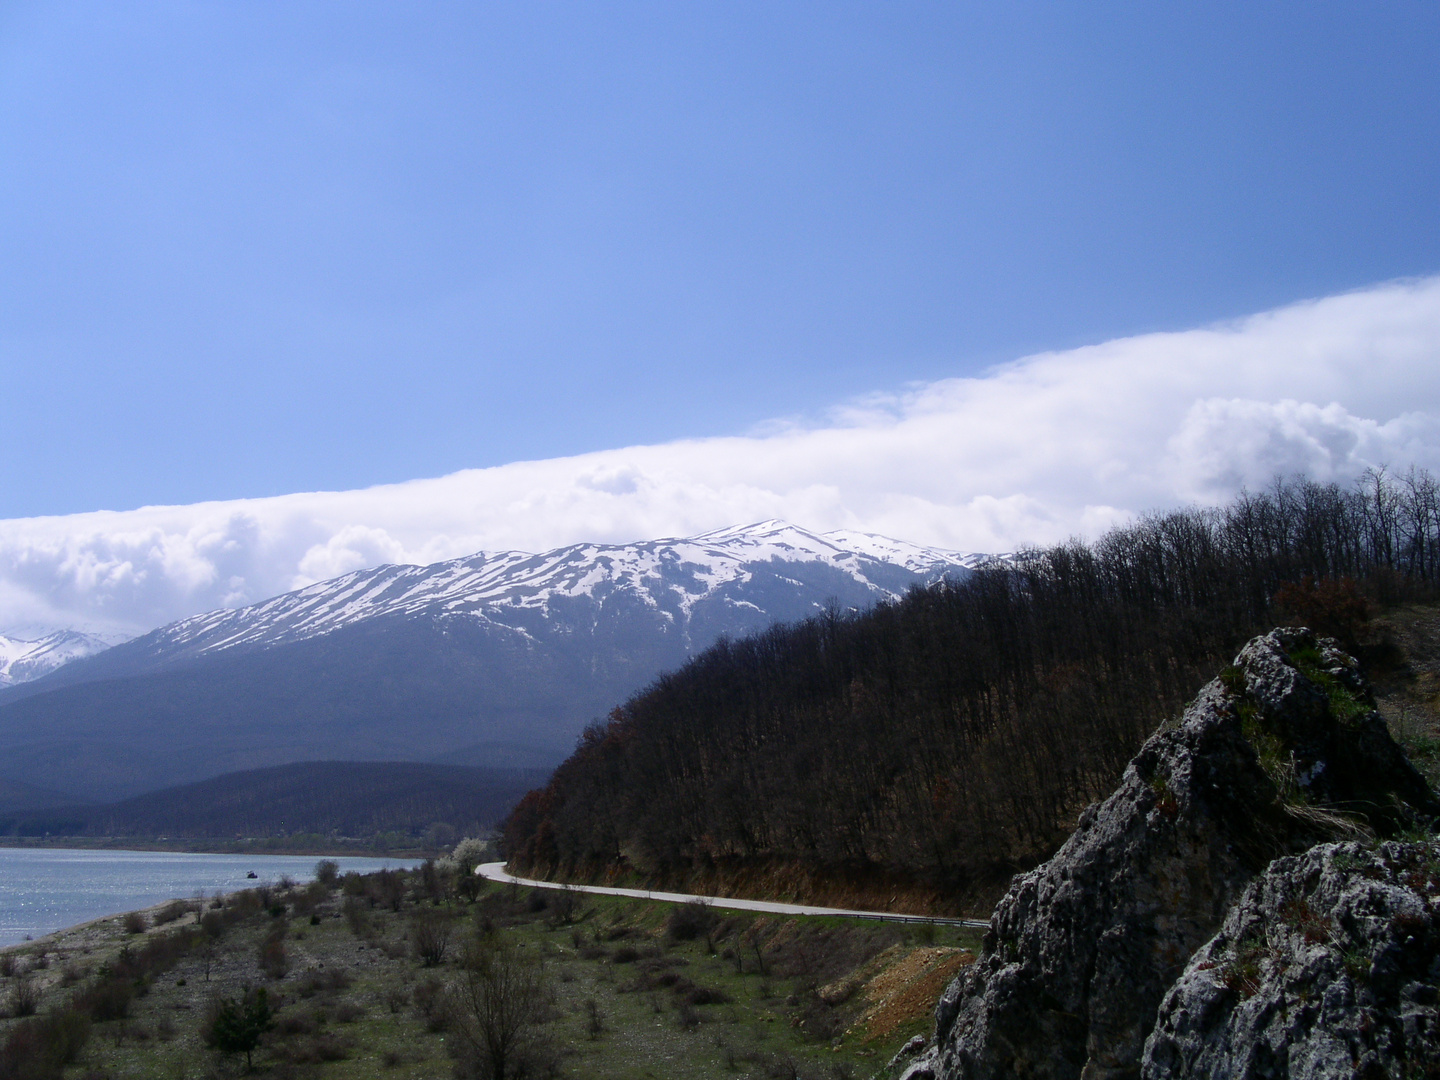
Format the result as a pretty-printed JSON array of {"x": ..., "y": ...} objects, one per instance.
[{"x": 495, "y": 871}]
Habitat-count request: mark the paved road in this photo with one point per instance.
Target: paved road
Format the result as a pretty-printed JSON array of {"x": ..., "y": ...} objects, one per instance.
[{"x": 495, "y": 871}]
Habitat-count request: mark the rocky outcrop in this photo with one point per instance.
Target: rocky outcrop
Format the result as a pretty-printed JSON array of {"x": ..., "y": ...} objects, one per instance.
[
  {"x": 1279, "y": 753},
  {"x": 1327, "y": 966}
]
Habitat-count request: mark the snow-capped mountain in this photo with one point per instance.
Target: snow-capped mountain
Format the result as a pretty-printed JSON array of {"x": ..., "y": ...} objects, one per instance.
[
  {"x": 495, "y": 659},
  {"x": 21, "y": 661},
  {"x": 672, "y": 577}
]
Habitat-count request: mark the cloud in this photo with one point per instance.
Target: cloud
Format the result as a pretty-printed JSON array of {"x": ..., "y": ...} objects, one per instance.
[{"x": 1032, "y": 451}]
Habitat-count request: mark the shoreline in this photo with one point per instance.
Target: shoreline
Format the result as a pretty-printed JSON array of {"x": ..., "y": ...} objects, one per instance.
[
  {"x": 215, "y": 846},
  {"x": 90, "y": 925}
]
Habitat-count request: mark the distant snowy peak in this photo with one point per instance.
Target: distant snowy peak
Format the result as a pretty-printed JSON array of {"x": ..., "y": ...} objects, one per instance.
[
  {"x": 671, "y": 576},
  {"x": 22, "y": 661}
]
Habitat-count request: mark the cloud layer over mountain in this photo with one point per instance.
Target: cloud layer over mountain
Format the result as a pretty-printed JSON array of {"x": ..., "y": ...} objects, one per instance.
[{"x": 1030, "y": 452}]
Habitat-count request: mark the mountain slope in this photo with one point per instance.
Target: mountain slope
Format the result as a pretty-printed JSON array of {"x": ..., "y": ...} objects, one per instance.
[
  {"x": 23, "y": 661},
  {"x": 694, "y": 589},
  {"x": 498, "y": 659}
]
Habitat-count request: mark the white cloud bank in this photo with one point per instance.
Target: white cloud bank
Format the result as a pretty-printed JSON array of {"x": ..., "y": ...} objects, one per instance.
[{"x": 1033, "y": 451}]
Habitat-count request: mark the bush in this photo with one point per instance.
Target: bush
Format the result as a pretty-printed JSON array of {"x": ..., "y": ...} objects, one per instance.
[
  {"x": 24, "y": 997},
  {"x": 496, "y": 1011},
  {"x": 234, "y": 1025},
  {"x": 134, "y": 922},
  {"x": 357, "y": 916},
  {"x": 173, "y": 912},
  {"x": 271, "y": 953},
  {"x": 107, "y": 999},
  {"x": 430, "y": 935},
  {"x": 387, "y": 888},
  {"x": 1329, "y": 606},
  {"x": 213, "y": 924},
  {"x": 327, "y": 872},
  {"x": 40, "y": 1048},
  {"x": 431, "y": 1005},
  {"x": 689, "y": 921}
]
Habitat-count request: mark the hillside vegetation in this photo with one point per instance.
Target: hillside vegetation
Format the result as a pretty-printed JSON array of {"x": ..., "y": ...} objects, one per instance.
[
  {"x": 406, "y": 975},
  {"x": 931, "y": 747}
]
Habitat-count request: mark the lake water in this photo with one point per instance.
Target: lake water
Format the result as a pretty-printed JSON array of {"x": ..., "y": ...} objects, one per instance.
[{"x": 47, "y": 889}]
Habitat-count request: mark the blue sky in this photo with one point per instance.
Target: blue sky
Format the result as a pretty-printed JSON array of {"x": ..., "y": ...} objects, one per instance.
[{"x": 254, "y": 249}]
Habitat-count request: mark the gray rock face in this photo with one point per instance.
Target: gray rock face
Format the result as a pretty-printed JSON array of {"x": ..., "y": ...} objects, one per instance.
[
  {"x": 1327, "y": 966},
  {"x": 1081, "y": 951}
]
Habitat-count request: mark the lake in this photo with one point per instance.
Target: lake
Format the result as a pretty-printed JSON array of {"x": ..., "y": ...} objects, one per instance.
[{"x": 47, "y": 889}]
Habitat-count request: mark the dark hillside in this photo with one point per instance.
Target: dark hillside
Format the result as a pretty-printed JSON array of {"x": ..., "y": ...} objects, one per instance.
[
  {"x": 395, "y": 690},
  {"x": 938, "y": 744},
  {"x": 15, "y": 795},
  {"x": 343, "y": 798}
]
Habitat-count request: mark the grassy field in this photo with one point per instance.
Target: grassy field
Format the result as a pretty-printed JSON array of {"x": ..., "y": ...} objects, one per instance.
[{"x": 629, "y": 989}]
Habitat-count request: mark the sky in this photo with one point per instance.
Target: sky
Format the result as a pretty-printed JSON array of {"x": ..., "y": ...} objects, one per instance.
[{"x": 286, "y": 290}]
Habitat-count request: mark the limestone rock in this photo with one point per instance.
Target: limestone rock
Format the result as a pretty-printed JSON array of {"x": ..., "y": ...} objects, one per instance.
[
  {"x": 1328, "y": 966},
  {"x": 1081, "y": 950}
]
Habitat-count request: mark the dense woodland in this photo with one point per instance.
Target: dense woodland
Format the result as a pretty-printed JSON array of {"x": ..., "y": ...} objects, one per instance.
[{"x": 950, "y": 738}]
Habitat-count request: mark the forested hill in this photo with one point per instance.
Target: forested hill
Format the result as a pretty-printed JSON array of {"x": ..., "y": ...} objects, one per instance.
[{"x": 932, "y": 746}]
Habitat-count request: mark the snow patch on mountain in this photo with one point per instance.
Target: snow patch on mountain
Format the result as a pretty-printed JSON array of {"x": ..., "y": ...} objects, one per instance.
[
  {"x": 670, "y": 576},
  {"x": 22, "y": 660}
]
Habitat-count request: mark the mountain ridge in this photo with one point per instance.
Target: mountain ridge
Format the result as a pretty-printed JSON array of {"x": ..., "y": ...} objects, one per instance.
[
  {"x": 24, "y": 660},
  {"x": 512, "y": 653},
  {"x": 511, "y": 589}
]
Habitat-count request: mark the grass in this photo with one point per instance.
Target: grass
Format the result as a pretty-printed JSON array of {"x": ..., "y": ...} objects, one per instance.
[{"x": 640, "y": 988}]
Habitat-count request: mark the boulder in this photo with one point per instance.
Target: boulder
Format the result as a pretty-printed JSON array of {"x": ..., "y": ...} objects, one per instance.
[
  {"x": 1327, "y": 966},
  {"x": 1280, "y": 752}
]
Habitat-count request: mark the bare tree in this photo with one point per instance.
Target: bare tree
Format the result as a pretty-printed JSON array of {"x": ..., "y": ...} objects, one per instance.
[
  {"x": 430, "y": 935},
  {"x": 496, "y": 1008}
]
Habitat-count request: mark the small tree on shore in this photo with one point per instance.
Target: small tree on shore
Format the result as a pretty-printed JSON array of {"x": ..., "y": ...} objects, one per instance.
[{"x": 236, "y": 1024}]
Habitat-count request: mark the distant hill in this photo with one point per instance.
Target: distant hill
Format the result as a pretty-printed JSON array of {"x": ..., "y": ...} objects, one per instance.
[
  {"x": 344, "y": 798},
  {"x": 15, "y": 795},
  {"x": 498, "y": 659}
]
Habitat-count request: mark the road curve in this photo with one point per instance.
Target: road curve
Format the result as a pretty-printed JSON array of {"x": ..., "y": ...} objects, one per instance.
[{"x": 495, "y": 871}]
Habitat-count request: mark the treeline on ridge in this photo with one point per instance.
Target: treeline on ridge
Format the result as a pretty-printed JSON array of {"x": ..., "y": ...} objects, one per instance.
[{"x": 944, "y": 741}]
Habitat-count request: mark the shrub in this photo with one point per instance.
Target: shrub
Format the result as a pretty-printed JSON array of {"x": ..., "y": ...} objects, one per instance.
[
  {"x": 271, "y": 954},
  {"x": 330, "y": 980},
  {"x": 430, "y": 935},
  {"x": 234, "y": 1025},
  {"x": 24, "y": 997},
  {"x": 689, "y": 921},
  {"x": 108, "y": 998},
  {"x": 1334, "y": 607},
  {"x": 40, "y": 1048},
  {"x": 327, "y": 872},
  {"x": 497, "y": 1007},
  {"x": 431, "y": 1005},
  {"x": 387, "y": 888},
  {"x": 134, "y": 922},
  {"x": 173, "y": 912},
  {"x": 357, "y": 917}
]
